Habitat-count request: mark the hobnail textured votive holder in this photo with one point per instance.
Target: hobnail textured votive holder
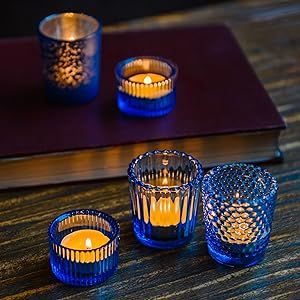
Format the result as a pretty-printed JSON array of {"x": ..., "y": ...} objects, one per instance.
[
  {"x": 84, "y": 267},
  {"x": 164, "y": 192},
  {"x": 238, "y": 204},
  {"x": 146, "y": 86},
  {"x": 70, "y": 45}
]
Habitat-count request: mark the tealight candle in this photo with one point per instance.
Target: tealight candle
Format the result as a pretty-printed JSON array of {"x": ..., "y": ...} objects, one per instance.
[
  {"x": 146, "y": 86},
  {"x": 84, "y": 247},
  {"x": 164, "y": 192},
  {"x": 70, "y": 44},
  {"x": 164, "y": 212},
  {"x": 147, "y": 78},
  {"x": 84, "y": 239},
  {"x": 238, "y": 205}
]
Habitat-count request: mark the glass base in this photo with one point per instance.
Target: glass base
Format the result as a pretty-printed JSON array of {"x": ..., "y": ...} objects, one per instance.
[
  {"x": 72, "y": 96},
  {"x": 88, "y": 281},
  {"x": 163, "y": 245},
  {"x": 83, "y": 267},
  {"x": 236, "y": 260},
  {"x": 160, "y": 243},
  {"x": 140, "y": 107}
]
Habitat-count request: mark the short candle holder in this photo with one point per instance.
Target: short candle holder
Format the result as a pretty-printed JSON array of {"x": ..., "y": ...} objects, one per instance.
[
  {"x": 84, "y": 247},
  {"x": 146, "y": 86},
  {"x": 70, "y": 44},
  {"x": 238, "y": 205},
  {"x": 164, "y": 191}
]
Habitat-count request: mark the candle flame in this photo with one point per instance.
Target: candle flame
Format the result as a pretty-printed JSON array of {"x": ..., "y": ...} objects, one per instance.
[
  {"x": 88, "y": 244},
  {"x": 147, "y": 79},
  {"x": 71, "y": 38},
  {"x": 165, "y": 181}
]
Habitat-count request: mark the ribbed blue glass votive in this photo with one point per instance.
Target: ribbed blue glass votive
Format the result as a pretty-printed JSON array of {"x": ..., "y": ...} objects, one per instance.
[
  {"x": 238, "y": 204},
  {"x": 164, "y": 192},
  {"x": 70, "y": 45},
  {"x": 146, "y": 86},
  {"x": 73, "y": 257}
]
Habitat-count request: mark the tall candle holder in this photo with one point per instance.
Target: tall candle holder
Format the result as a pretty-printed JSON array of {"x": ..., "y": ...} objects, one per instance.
[
  {"x": 146, "y": 86},
  {"x": 238, "y": 205},
  {"x": 70, "y": 44},
  {"x": 82, "y": 264},
  {"x": 164, "y": 191}
]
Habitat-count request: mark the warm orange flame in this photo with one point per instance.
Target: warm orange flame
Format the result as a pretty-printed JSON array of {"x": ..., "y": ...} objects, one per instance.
[
  {"x": 147, "y": 79},
  {"x": 164, "y": 181},
  {"x": 88, "y": 244}
]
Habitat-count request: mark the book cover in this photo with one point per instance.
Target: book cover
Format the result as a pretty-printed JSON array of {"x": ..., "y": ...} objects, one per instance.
[{"x": 217, "y": 93}]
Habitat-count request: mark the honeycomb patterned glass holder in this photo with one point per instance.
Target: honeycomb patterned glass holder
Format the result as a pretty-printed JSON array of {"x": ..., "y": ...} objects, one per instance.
[
  {"x": 83, "y": 267},
  {"x": 140, "y": 99},
  {"x": 70, "y": 46},
  {"x": 164, "y": 191},
  {"x": 238, "y": 204}
]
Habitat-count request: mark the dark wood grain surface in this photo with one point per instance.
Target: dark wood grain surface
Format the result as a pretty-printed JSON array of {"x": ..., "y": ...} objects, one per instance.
[{"x": 269, "y": 33}]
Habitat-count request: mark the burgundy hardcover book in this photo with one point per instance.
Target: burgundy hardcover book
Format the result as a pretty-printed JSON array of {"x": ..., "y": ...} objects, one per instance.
[{"x": 222, "y": 113}]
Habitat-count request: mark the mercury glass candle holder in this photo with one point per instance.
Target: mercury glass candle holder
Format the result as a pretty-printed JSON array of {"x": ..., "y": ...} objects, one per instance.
[
  {"x": 84, "y": 267},
  {"x": 70, "y": 45},
  {"x": 238, "y": 205},
  {"x": 146, "y": 86},
  {"x": 164, "y": 192}
]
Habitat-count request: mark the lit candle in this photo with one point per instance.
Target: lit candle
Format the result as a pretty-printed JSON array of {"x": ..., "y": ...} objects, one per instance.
[
  {"x": 70, "y": 45},
  {"x": 239, "y": 223},
  {"x": 164, "y": 192},
  {"x": 165, "y": 212},
  {"x": 84, "y": 246},
  {"x": 238, "y": 205},
  {"x": 142, "y": 79},
  {"x": 147, "y": 85},
  {"x": 84, "y": 239},
  {"x": 147, "y": 78}
]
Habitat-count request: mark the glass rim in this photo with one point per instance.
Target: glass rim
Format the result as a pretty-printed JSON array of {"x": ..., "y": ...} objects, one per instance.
[
  {"x": 120, "y": 65},
  {"x": 113, "y": 222},
  {"x": 43, "y": 21},
  {"x": 197, "y": 178},
  {"x": 268, "y": 193}
]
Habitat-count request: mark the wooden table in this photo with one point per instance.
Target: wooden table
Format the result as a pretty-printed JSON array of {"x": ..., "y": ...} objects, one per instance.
[{"x": 269, "y": 33}]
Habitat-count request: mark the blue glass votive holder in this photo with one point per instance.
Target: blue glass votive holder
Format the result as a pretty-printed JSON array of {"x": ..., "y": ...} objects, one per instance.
[
  {"x": 164, "y": 192},
  {"x": 238, "y": 204},
  {"x": 73, "y": 258},
  {"x": 146, "y": 86},
  {"x": 70, "y": 46}
]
